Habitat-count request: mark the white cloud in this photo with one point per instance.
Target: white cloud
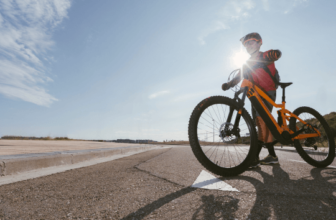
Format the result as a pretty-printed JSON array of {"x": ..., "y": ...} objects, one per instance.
[
  {"x": 189, "y": 96},
  {"x": 293, "y": 4},
  {"x": 26, "y": 27},
  {"x": 233, "y": 10},
  {"x": 154, "y": 95},
  {"x": 236, "y": 10},
  {"x": 216, "y": 26},
  {"x": 265, "y": 5},
  {"x": 34, "y": 95}
]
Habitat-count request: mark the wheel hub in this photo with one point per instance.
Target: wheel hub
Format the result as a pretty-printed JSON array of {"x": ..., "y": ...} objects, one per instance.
[{"x": 227, "y": 133}]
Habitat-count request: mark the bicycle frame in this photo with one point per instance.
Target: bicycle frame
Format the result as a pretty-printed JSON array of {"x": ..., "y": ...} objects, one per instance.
[{"x": 281, "y": 131}]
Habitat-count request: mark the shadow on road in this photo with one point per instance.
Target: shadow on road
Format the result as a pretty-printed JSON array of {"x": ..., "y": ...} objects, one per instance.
[
  {"x": 146, "y": 210},
  {"x": 209, "y": 202},
  {"x": 278, "y": 196},
  {"x": 219, "y": 207}
]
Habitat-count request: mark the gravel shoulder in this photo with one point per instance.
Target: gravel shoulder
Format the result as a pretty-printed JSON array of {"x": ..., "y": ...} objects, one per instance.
[{"x": 14, "y": 147}]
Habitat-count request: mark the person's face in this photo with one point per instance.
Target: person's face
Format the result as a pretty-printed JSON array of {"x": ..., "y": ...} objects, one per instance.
[{"x": 252, "y": 46}]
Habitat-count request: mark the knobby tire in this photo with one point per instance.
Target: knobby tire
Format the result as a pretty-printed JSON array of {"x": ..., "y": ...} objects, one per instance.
[
  {"x": 327, "y": 139},
  {"x": 197, "y": 148}
]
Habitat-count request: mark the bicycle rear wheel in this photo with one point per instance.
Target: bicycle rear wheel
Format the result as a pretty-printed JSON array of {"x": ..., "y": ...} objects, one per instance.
[
  {"x": 317, "y": 151},
  {"x": 215, "y": 145}
]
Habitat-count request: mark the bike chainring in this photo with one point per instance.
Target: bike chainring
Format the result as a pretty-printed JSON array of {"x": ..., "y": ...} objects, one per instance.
[{"x": 309, "y": 142}]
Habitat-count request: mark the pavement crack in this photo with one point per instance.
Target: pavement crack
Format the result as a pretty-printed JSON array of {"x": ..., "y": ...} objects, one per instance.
[
  {"x": 162, "y": 178},
  {"x": 149, "y": 173},
  {"x": 154, "y": 157}
]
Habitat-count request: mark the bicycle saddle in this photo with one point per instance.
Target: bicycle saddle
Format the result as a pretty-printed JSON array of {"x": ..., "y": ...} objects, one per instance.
[{"x": 284, "y": 85}]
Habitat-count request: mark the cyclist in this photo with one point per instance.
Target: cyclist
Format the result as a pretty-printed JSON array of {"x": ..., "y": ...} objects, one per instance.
[{"x": 264, "y": 74}]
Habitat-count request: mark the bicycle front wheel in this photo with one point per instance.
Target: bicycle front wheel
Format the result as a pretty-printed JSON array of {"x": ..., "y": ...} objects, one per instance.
[
  {"x": 214, "y": 143},
  {"x": 317, "y": 151}
]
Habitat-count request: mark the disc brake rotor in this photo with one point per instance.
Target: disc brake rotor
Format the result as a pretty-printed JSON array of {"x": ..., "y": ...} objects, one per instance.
[{"x": 227, "y": 134}]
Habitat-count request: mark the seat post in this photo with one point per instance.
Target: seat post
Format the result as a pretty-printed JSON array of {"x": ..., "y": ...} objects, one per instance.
[
  {"x": 283, "y": 86},
  {"x": 283, "y": 95}
]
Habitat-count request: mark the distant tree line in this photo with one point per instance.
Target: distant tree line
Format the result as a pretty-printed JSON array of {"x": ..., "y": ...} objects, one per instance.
[
  {"x": 132, "y": 141},
  {"x": 9, "y": 137}
]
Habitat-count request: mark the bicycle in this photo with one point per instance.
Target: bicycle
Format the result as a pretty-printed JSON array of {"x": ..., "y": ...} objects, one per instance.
[{"x": 236, "y": 136}]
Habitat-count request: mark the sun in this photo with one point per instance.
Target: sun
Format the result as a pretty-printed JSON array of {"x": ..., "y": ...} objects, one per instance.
[{"x": 239, "y": 59}]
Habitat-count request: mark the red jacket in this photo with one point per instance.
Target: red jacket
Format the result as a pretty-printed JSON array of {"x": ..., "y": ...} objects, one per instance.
[{"x": 260, "y": 77}]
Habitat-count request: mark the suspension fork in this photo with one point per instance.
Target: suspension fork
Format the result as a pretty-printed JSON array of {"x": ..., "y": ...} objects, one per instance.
[{"x": 241, "y": 103}]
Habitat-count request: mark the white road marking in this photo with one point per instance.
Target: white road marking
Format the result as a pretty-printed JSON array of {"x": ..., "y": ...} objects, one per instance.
[
  {"x": 58, "y": 169},
  {"x": 208, "y": 181},
  {"x": 300, "y": 161}
]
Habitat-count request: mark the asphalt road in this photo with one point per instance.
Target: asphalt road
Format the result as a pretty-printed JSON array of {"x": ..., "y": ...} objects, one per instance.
[{"x": 156, "y": 185}]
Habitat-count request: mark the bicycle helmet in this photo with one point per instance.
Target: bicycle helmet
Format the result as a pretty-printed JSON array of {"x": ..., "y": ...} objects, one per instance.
[{"x": 251, "y": 36}]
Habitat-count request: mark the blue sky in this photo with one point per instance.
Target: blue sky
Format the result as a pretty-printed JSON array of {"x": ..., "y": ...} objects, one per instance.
[{"x": 136, "y": 69}]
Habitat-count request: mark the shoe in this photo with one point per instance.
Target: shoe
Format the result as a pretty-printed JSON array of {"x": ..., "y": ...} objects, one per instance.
[
  {"x": 255, "y": 163},
  {"x": 269, "y": 160}
]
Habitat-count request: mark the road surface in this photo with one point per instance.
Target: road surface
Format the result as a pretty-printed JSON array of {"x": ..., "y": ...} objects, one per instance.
[{"x": 156, "y": 185}]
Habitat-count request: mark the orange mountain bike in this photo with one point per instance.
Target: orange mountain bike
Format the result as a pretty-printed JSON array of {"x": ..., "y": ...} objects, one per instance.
[{"x": 223, "y": 135}]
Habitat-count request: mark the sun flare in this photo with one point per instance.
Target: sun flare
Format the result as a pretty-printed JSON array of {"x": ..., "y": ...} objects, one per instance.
[{"x": 240, "y": 58}]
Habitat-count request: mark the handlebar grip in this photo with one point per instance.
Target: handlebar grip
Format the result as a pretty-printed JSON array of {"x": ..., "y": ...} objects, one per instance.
[{"x": 226, "y": 86}]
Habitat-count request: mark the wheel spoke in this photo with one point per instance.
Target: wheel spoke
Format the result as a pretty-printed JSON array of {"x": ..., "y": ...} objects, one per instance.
[{"x": 221, "y": 153}]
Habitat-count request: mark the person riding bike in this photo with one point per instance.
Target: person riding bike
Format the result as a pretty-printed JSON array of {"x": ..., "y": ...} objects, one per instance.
[{"x": 260, "y": 70}]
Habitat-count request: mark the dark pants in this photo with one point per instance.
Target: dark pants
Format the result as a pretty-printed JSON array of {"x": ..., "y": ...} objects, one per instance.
[{"x": 272, "y": 95}]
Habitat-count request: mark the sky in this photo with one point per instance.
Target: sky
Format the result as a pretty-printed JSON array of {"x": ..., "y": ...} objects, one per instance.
[{"x": 135, "y": 69}]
